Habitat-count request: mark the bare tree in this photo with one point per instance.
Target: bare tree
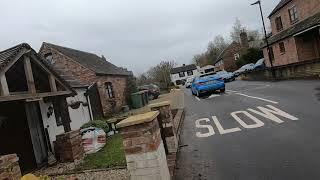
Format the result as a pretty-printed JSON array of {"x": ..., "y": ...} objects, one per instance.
[
  {"x": 237, "y": 28},
  {"x": 161, "y": 73}
]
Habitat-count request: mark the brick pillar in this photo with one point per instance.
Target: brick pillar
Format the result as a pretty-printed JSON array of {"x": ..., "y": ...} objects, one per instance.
[
  {"x": 145, "y": 154},
  {"x": 9, "y": 167},
  {"x": 165, "y": 117},
  {"x": 68, "y": 146}
]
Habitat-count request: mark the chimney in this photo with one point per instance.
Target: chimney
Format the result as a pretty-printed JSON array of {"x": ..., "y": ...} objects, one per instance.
[{"x": 244, "y": 40}]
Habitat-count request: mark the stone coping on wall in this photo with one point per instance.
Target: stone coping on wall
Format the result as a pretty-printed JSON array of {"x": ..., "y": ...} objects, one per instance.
[
  {"x": 138, "y": 119},
  {"x": 162, "y": 103}
]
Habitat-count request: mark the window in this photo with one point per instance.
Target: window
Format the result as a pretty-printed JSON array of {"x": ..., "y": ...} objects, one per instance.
[
  {"x": 236, "y": 56},
  {"x": 271, "y": 53},
  {"x": 190, "y": 73},
  {"x": 282, "y": 48},
  {"x": 182, "y": 74},
  {"x": 49, "y": 57},
  {"x": 279, "y": 24},
  {"x": 109, "y": 89},
  {"x": 293, "y": 13}
]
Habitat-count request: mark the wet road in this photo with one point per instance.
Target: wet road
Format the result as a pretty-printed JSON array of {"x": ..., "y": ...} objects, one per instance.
[{"x": 255, "y": 131}]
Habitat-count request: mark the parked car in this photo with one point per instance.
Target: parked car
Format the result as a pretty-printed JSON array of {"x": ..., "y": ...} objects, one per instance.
[
  {"x": 243, "y": 69},
  {"x": 226, "y": 76},
  {"x": 201, "y": 85},
  {"x": 153, "y": 90},
  {"x": 259, "y": 64},
  {"x": 189, "y": 82}
]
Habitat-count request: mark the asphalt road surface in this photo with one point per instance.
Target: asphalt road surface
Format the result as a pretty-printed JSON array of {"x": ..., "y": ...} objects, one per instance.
[{"x": 255, "y": 131}]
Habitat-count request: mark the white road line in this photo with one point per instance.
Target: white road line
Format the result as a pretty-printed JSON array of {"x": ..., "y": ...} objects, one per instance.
[
  {"x": 213, "y": 96},
  {"x": 197, "y": 98},
  {"x": 232, "y": 91},
  {"x": 274, "y": 102}
]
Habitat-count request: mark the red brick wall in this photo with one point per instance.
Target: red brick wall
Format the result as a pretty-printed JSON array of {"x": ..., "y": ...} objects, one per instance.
[
  {"x": 290, "y": 56},
  {"x": 306, "y": 8},
  {"x": 86, "y": 75},
  {"x": 119, "y": 83},
  {"x": 228, "y": 57}
]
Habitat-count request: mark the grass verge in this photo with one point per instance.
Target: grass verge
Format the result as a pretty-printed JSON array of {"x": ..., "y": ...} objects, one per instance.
[{"x": 111, "y": 155}]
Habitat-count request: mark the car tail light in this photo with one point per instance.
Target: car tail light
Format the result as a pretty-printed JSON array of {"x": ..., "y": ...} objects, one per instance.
[{"x": 201, "y": 83}]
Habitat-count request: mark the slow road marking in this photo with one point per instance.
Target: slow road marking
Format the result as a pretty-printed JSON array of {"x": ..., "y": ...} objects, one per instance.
[
  {"x": 268, "y": 112},
  {"x": 197, "y": 98}
]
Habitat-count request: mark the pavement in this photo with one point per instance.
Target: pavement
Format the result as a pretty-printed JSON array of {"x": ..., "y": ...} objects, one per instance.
[
  {"x": 255, "y": 131},
  {"x": 175, "y": 97}
]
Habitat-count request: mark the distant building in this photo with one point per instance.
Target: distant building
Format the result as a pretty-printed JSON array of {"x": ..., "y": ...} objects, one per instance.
[
  {"x": 228, "y": 57},
  {"x": 295, "y": 33},
  {"x": 180, "y": 74},
  {"x": 206, "y": 69}
]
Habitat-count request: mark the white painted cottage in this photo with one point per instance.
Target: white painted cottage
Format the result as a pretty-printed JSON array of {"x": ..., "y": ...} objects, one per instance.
[{"x": 182, "y": 73}]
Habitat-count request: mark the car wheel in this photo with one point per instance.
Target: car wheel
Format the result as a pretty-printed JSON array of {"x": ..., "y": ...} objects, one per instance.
[{"x": 222, "y": 90}]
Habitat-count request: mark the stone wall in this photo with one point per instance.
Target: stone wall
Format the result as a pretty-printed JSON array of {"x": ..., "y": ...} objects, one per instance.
[
  {"x": 9, "y": 167},
  {"x": 309, "y": 69},
  {"x": 68, "y": 147}
]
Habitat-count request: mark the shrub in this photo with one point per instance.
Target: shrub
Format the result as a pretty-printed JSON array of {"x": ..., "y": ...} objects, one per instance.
[{"x": 97, "y": 123}]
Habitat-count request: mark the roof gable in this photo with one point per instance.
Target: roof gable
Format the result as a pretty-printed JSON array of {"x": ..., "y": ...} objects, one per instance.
[
  {"x": 281, "y": 4},
  {"x": 12, "y": 57},
  {"x": 89, "y": 60}
]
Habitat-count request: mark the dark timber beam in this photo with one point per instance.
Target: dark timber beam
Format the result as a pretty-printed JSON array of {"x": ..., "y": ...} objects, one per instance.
[
  {"x": 31, "y": 97},
  {"x": 29, "y": 75},
  {"x": 52, "y": 81},
  {"x": 4, "y": 86}
]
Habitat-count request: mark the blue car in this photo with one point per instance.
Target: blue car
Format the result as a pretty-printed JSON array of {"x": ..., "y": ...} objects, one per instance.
[{"x": 202, "y": 85}]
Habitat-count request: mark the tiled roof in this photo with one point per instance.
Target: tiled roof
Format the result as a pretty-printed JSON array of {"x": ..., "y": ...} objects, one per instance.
[
  {"x": 97, "y": 64},
  {"x": 9, "y": 54},
  {"x": 299, "y": 27},
  {"x": 183, "y": 68},
  {"x": 279, "y": 6}
]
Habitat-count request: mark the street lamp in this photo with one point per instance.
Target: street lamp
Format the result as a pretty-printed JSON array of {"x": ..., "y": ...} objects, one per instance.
[{"x": 266, "y": 38}]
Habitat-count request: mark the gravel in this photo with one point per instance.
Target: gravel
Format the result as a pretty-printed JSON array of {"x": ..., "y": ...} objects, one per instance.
[{"x": 117, "y": 174}]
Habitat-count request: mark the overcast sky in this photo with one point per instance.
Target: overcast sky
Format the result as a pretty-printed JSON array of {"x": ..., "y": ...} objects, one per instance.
[{"x": 135, "y": 34}]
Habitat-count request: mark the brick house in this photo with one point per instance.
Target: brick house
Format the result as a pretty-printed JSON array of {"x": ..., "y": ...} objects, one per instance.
[
  {"x": 110, "y": 81},
  {"x": 228, "y": 57},
  {"x": 295, "y": 33}
]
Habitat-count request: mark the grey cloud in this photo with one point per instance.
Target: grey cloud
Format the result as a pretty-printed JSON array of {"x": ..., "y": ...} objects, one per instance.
[{"x": 135, "y": 34}]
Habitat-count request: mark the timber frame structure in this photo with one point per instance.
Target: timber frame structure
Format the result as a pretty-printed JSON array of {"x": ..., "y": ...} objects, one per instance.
[{"x": 25, "y": 53}]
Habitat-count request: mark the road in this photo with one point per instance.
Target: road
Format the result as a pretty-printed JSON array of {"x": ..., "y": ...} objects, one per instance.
[{"x": 255, "y": 131}]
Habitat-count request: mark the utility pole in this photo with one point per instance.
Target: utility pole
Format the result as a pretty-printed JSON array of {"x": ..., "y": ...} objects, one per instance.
[{"x": 266, "y": 39}]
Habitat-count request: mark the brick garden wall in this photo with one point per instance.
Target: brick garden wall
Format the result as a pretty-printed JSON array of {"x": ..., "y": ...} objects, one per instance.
[{"x": 9, "y": 167}]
